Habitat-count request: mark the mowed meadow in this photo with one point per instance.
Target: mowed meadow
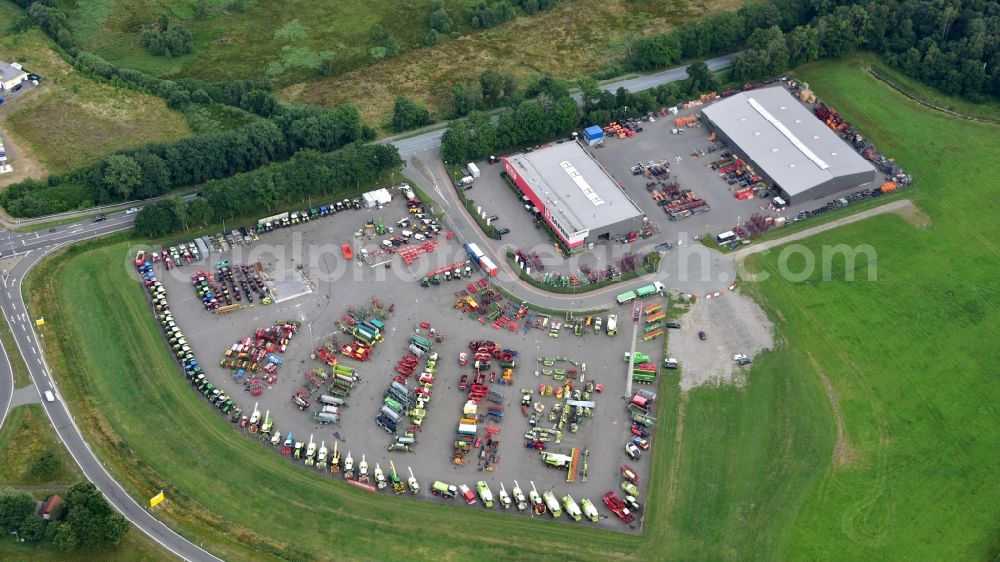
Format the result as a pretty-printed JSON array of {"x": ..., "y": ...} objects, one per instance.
[{"x": 909, "y": 356}]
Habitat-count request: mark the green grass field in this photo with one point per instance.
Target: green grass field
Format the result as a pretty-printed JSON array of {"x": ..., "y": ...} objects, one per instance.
[
  {"x": 16, "y": 362},
  {"x": 753, "y": 473},
  {"x": 70, "y": 119},
  {"x": 26, "y": 434},
  {"x": 572, "y": 41},
  {"x": 263, "y": 41},
  {"x": 908, "y": 355}
]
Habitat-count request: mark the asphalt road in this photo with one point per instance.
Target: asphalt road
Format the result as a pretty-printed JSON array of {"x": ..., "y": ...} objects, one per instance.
[
  {"x": 35, "y": 246},
  {"x": 648, "y": 81}
]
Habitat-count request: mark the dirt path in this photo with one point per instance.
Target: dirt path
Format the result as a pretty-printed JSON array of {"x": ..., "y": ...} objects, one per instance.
[
  {"x": 903, "y": 207},
  {"x": 843, "y": 451}
]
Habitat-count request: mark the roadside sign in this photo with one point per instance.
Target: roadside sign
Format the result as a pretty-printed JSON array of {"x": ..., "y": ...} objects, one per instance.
[{"x": 157, "y": 499}]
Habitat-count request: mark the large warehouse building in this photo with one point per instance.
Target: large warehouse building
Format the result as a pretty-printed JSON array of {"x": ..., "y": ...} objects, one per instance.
[
  {"x": 787, "y": 146},
  {"x": 574, "y": 194}
]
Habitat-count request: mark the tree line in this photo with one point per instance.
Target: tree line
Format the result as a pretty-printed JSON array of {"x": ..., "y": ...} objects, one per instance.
[
  {"x": 601, "y": 106},
  {"x": 177, "y": 93},
  {"x": 308, "y": 173},
  {"x": 954, "y": 47},
  {"x": 552, "y": 113},
  {"x": 85, "y": 519},
  {"x": 152, "y": 170}
]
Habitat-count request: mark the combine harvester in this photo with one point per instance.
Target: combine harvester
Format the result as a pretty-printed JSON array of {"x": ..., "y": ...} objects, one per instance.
[
  {"x": 617, "y": 506},
  {"x": 589, "y": 511},
  {"x": 552, "y": 503},
  {"x": 504, "y": 498},
  {"x": 321, "y": 458},
  {"x": 485, "y": 494},
  {"x": 572, "y": 510},
  {"x": 412, "y": 482},
  {"x": 519, "y": 500},
  {"x": 311, "y": 452},
  {"x": 536, "y": 500}
]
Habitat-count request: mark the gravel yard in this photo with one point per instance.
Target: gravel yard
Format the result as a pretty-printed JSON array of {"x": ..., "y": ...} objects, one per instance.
[{"x": 733, "y": 323}]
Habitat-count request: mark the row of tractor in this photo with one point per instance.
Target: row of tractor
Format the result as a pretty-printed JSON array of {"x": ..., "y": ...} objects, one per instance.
[
  {"x": 285, "y": 220},
  {"x": 177, "y": 342},
  {"x": 225, "y": 285}
]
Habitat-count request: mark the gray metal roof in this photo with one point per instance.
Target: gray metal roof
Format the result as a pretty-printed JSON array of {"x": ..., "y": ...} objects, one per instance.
[
  {"x": 8, "y": 72},
  {"x": 574, "y": 186},
  {"x": 778, "y": 133}
]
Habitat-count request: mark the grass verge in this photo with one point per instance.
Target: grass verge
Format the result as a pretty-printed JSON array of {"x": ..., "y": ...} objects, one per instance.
[
  {"x": 17, "y": 365},
  {"x": 26, "y": 434},
  {"x": 580, "y": 289},
  {"x": 25, "y": 437}
]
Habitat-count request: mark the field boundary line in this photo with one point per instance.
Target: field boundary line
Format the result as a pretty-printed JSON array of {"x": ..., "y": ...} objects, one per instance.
[
  {"x": 675, "y": 462},
  {"x": 925, "y": 103}
]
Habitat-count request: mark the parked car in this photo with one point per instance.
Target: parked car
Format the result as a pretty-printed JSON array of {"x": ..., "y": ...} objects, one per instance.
[
  {"x": 632, "y": 451},
  {"x": 674, "y": 325},
  {"x": 702, "y": 336}
]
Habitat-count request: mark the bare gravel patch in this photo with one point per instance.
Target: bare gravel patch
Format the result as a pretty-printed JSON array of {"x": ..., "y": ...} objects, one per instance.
[{"x": 733, "y": 323}]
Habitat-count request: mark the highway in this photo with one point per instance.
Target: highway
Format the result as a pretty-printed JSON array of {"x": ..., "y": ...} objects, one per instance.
[{"x": 34, "y": 246}]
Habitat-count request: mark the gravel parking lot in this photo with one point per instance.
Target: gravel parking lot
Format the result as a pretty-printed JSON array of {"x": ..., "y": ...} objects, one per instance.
[
  {"x": 733, "y": 323},
  {"x": 313, "y": 250}
]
